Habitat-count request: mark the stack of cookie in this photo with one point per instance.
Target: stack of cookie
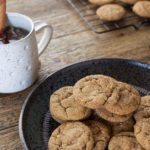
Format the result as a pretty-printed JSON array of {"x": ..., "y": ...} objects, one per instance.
[
  {"x": 112, "y": 10},
  {"x": 95, "y": 109}
]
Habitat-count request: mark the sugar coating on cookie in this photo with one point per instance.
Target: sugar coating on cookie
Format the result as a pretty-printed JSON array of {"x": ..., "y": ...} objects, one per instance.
[
  {"x": 71, "y": 136},
  {"x": 123, "y": 127},
  {"x": 124, "y": 141},
  {"x": 93, "y": 91},
  {"x": 100, "y": 2},
  {"x": 101, "y": 134},
  {"x": 108, "y": 116},
  {"x": 63, "y": 106},
  {"x": 142, "y": 132},
  {"x": 142, "y": 9},
  {"x": 110, "y": 12},
  {"x": 144, "y": 109},
  {"x": 124, "y": 100}
]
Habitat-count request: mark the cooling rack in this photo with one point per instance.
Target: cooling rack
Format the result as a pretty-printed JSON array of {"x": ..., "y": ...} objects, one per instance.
[{"x": 87, "y": 12}]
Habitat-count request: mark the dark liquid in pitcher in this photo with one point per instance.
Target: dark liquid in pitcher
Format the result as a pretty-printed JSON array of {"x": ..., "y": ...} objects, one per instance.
[{"x": 13, "y": 34}]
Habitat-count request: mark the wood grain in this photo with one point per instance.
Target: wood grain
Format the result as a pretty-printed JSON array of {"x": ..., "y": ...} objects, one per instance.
[{"x": 72, "y": 42}]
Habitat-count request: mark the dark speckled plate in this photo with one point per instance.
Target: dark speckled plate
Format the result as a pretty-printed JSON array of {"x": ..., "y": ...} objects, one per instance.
[{"x": 36, "y": 124}]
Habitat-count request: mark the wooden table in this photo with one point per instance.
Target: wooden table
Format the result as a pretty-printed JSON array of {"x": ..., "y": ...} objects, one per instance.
[{"x": 72, "y": 41}]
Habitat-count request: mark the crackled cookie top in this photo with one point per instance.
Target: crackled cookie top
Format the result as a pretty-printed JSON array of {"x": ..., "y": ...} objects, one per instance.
[
  {"x": 108, "y": 116},
  {"x": 101, "y": 134},
  {"x": 144, "y": 109},
  {"x": 124, "y": 99},
  {"x": 63, "y": 106},
  {"x": 124, "y": 141},
  {"x": 123, "y": 127},
  {"x": 93, "y": 91},
  {"x": 142, "y": 132},
  {"x": 71, "y": 136}
]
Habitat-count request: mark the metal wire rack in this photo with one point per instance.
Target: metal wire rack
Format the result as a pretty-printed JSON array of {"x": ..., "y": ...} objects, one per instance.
[{"x": 88, "y": 13}]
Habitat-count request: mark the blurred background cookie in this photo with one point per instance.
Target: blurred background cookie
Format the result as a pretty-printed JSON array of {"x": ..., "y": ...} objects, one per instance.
[
  {"x": 142, "y": 9},
  {"x": 101, "y": 2},
  {"x": 131, "y": 2},
  {"x": 110, "y": 12}
]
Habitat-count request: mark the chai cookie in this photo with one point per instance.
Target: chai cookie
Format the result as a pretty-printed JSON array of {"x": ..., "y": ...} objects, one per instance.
[
  {"x": 124, "y": 141},
  {"x": 101, "y": 134},
  {"x": 123, "y": 127},
  {"x": 93, "y": 91},
  {"x": 131, "y": 2},
  {"x": 111, "y": 12},
  {"x": 64, "y": 108},
  {"x": 123, "y": 100},
  {"x": 71, "y": 136},
  {"x": 142, "y": 9},
  {"x": 142, "y": 132},
  {"x": 100, "y": 2},
  {"x": 144, "y": 109},
  {"x": 114, "y": 118}
]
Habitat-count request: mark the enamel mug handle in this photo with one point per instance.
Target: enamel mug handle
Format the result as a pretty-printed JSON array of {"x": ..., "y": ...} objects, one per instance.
[{"x": 47, "y": 35}]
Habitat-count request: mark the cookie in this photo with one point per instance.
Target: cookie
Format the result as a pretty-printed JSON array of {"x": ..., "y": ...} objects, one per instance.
[
  {"x": 111, "y": 12},
  {"x": 101, "y": 2},
  {"x": 64, "y": 108},
  {"x": 129, "y": 1},
  {"x": 101, "y": 134},
  {"x": 144, "y": 109},
  {"x": 142, "y": 132},
  {"x": 142, "y": 9},
  {"x": 92, "y": 91},
  {"x": 145, "y": 101},
  {"x": 123, "y": 100},
  {"x": 123, "y": 127},
  {"x": 56, "y": 119},
  {"x": 124, "y": 141},
  {"x": 114, "y": 118},
  {"x": 71, "y": 136}
]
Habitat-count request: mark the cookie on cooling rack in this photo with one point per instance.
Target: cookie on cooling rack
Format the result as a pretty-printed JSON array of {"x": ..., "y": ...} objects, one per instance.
[
  {"x": 101, "y": 2},
  {"x": 142, "y": 9},
  {"x": 111, "y": 12}
]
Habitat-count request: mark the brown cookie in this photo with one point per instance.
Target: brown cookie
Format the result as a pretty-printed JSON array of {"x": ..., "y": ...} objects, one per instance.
[
  {"x": 92, "y": 91},
  {"x": 111, "y": 12},
  {"x": 142, "y": 9},
  {"x": 101, "y": 134},
  {"x": 64, "y": 108},
  {"x": 144, "y": 109},
  {"x": 114, "y": 118},
  {"x": 100, "y": 2},
  {"x": 130, "y": 1},
  {"x": 123, "y": 127},
  {"x": 145, "y": 101},
  {"x": 124, "y": 141},
  {"x": 142, "y": 132},
  {"x": 123, "y": 100},
  {"x": 71, "y": 136}
]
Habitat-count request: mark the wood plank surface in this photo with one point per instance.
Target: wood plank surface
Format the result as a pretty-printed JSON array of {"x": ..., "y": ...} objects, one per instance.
[{"x": 72, "y": 42}]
